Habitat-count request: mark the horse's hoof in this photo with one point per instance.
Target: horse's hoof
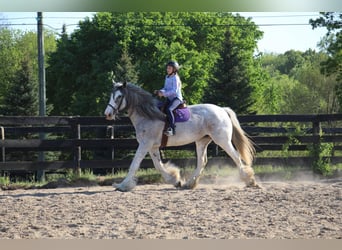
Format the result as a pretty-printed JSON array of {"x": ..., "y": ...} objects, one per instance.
[
  {"x": 254, "y": 185},
  {"x": 178, "y": 184},
  {"x": 188, "y": 186},
  {"x": 118, "y": 188}
]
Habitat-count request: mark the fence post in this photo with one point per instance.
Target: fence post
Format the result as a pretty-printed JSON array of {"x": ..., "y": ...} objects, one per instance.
[
  {"x": 111, "y": 128},
  {"x": 76, "y": 131},
  {"x": 40, "y": 174},
  {"x": 316, "y": 130},
  {"x": 112, "y": 137},
  {"x": 3, "y": 148}
]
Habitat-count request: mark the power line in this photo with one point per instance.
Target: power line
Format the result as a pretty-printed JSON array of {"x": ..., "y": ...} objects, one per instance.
[
  {"x": 172, "y": 25},
  {"x": 33, "y": 24},
  {"x": 23, "y": 18}
]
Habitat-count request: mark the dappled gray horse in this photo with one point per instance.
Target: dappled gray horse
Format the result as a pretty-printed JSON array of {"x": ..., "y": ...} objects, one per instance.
[{"x": 207, "y": 123}]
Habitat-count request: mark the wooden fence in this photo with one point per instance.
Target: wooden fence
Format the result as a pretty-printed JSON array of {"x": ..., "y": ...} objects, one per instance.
[{"x": 87, "y": 137}]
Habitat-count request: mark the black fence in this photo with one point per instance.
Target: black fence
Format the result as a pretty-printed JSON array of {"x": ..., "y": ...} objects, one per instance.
[{"x": 93, "y": 142}]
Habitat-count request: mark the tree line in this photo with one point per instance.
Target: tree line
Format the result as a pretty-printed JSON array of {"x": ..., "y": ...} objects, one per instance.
[{"x": 217, "y": 53}]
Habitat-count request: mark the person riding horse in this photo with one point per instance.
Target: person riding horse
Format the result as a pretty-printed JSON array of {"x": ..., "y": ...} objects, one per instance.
[
  {"x": 172, "y": 90},
  {"x": 207, "y": 123}
]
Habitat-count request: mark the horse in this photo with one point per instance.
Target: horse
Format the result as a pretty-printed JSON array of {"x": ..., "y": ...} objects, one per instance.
[{"x": 207, "y": 123}]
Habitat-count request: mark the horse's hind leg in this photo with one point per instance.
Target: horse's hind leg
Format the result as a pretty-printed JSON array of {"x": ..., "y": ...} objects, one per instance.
[
  {"x": 245, "y": 171},
  {"x": 201, "y": 151}
]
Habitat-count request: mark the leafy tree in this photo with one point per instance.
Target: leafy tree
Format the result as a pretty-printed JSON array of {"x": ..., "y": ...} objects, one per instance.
[
  {"x": 237, "y": 73},
  {"x": 22, "y": 98},
  {"x": 125, "y": 70},
  {"x": 78, "y": 78},
  {"x": 9, "y": 60},
  {"x": 333, "y": 22},
  {"x": 321, "y": 88},
  {"x": 16, "y": 46},
  {"x": 160, "y": 37},
  {"x": 302, "y": 90},
  {"x": 284, "y": 63},
  {"x": 333, "y": 65}
]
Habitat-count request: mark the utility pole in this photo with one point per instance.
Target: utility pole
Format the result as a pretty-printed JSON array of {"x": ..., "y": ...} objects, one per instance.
[{"x": 42, "y": 89}]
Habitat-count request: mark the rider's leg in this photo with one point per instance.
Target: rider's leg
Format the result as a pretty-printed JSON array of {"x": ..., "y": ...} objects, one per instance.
[{"x": 174, "y": 104}]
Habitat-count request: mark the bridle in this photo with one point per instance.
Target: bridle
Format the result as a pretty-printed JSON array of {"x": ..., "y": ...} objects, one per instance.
[{"x": 116, "y": 110}]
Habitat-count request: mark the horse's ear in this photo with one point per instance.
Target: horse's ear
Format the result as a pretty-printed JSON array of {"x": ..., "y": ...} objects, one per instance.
[
  {"x": 124, "y": 84},
  {"x": 112, "y": 76}
]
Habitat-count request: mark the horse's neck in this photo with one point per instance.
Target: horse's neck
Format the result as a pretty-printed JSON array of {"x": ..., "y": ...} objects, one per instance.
[
  {"x": 135, "y": 117},
  {"x": 140, "y": 122}
]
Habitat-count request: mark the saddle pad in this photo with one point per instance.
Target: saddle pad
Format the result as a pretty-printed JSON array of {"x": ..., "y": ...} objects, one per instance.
[{"x": 182, "y": 115}]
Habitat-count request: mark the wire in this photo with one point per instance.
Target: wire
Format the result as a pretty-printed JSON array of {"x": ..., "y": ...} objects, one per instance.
[
  {"x": 171, "y": 25},
  {"x": 23, "y": 18}
]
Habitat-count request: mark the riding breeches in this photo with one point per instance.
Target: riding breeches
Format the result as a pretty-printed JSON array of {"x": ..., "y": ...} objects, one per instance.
[{"x": 172, "y": 106}]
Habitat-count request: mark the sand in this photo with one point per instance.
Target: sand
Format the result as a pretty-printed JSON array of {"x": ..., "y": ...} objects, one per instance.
[{"x": 280, "y": 210}]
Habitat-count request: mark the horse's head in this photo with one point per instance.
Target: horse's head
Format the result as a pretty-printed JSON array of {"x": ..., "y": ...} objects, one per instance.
[{"x": 117, "y": 101}]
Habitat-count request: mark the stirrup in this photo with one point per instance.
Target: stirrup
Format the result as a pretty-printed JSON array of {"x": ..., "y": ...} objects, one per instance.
[{"x": 169, "y": 132}]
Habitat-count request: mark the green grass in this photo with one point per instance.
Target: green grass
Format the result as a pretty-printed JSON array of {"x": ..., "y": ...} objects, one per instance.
[
  {"x": 4, "y": 180},
  {"x": 148, "y": 176},
  {"x": 6, "y": 184}
]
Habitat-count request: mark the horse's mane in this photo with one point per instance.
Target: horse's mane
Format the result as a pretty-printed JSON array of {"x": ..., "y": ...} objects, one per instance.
[{"x": 142, "y": 102}]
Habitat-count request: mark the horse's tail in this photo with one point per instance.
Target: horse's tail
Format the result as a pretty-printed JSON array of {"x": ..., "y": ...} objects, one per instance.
[{"x": 240, "y": 140}]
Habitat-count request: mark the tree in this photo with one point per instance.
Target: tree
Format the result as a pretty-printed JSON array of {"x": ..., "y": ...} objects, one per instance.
[
  {"x": 302, "y": 90},
  {"x": 333, "y": 65},
  {"x": 237, "y": 72},
  {"x": 16, "y": 46},
  {"x": 125, "y": 70},
  {"x": 321, "y": 88},
  {"x": 333, "y": 22},
  {"x": 9, "y": 60},
  {"x": 284, "y": 63},
  {"x": 22, "y": 99},
  {"x": 78, "y": 78}
]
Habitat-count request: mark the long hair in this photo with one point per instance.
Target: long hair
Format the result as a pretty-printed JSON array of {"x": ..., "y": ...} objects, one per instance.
[{"x": 142, "y": 102}]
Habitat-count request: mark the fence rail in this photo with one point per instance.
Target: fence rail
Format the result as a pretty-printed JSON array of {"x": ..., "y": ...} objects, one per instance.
[{"x": 76, "y": 135}]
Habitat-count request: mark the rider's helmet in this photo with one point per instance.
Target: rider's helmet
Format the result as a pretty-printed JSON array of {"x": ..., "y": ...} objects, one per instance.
[{"x": 173, "y": 64}]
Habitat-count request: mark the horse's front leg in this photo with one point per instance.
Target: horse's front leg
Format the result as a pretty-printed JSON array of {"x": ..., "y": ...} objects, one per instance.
[
  {"x": 130, "y": 182},
  {"x": 169, "y": 172}
]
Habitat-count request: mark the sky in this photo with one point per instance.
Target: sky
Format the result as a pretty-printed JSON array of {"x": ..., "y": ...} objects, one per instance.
[
  {"x": 286, "y": 30},
  {"x": 283, "y": 31}
]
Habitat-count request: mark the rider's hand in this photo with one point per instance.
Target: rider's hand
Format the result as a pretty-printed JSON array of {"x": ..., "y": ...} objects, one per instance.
[{"x": 158, "y": 92}]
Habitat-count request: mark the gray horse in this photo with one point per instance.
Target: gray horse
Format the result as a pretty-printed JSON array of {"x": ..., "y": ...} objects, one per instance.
[{"x": 207, "y": 123}]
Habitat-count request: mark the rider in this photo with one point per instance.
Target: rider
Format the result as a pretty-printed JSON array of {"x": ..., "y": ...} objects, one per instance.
[{"x": 172, "y": 90}]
